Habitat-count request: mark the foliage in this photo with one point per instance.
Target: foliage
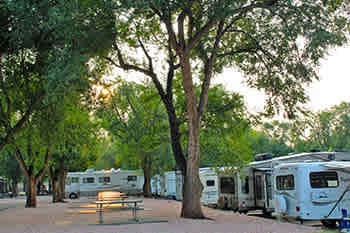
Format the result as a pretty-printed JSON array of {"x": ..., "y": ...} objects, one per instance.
[
  {"x": 138, "y": 124},
  {"x": 44, "y": 50},
  {"x": 327, "y": 130}
]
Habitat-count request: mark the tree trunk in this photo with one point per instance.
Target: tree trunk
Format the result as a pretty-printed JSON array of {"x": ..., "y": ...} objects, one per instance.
[
  {"x": 56, "y": 188},
  {"x": 14, "y": 187},
  {"x": 147, "y": 190},
  {"x": 56, "y": 191},
  {"x": 63, "y": 185},
  {"x": 191, "y": 207},
  {"x": 192, "y": 188},
  {"x": 31, "y": 191}
]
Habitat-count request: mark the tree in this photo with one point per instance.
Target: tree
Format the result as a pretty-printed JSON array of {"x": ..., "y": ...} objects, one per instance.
[
  {"x": 75, "y": 137},
  {"x": 44, "y": 51},
  {"x": 199, "y": 38},
  {"x": 9, "y": 168},
  {"x": 327, "y": 130},
  {"x": 45, "y": 47},
  {"x": 139, "y": 126},
  {"x": 32, "y": 148}
]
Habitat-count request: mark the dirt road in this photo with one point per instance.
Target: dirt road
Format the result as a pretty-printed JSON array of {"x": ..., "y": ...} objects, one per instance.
[{"x": 158, "y": 216}]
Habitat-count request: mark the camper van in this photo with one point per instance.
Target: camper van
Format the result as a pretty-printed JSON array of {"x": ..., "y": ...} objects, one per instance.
[
  {"x": 90, "y": 182},
  {"x": 312, "y": 190}
]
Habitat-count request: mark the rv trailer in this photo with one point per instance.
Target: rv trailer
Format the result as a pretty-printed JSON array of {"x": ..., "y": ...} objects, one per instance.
[
  {"x": 90, "y": 182},
  {"x": 312, "y": 190},
  {"x": 165, "y": 185},
  {"x": 259, "y": 181},
  {"x": 209, "y": 179}
]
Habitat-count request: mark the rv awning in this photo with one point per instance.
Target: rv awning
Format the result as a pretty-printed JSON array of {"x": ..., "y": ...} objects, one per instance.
[
  {"x": 262, "y": 169},
  {"x": 338, "y": 166}
]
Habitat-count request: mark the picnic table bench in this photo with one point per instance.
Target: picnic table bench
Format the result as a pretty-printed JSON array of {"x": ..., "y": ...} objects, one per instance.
[{"x": 106, "y": 199}]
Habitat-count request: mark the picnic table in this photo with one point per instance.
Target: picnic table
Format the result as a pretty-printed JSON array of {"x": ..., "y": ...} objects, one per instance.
[
  {"x": 105, "y": 199},
  {"x": 102, "y": 204}
]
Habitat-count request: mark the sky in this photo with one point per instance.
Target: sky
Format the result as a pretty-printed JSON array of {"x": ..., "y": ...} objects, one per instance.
[{"x": 332, "y": 88}]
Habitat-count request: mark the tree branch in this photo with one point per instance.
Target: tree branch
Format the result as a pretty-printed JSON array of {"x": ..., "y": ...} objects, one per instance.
[
  {"x": 21, "y": 162},
  {"x": 46, "y": 164},
  {"x": 209, "y": 63},
  {"x": 21, "y": 122}
]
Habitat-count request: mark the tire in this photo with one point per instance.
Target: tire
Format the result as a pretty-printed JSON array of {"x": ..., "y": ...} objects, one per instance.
[
  {"x": 329, "y": 223},
  {"x": 73, "y": 196}
]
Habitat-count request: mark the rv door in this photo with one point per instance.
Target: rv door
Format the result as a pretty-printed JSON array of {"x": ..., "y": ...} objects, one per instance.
[{"x": 263, "y": 189}]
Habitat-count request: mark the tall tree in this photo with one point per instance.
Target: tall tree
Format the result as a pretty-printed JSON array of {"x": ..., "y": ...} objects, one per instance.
[
  {"x": 277, "y": 45},
  {"x": 133, "y": 115},
  {"x": 76, "y": 136},
  {"x": 44, "y": 49},
  {"x": 32, "y": 148},
  {"x": 10, "y": 169}
]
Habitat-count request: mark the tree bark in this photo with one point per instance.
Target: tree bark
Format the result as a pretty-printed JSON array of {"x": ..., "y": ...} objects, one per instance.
[
  {"x": 62, "y": 182},
  {"x": 56, "y": 177},
  {"x": 147, "y": 191},
  {"x": 31, "y": 191},
  {"x": 191, "y": 207}
]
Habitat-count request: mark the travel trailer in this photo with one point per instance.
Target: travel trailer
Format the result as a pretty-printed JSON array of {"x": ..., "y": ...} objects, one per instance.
[
  {"x": 164, "y": 185},
  {"x": 90, "y": 182},
  {"x": 259, "y": 180},
  {"x": 209, "y": 179},
  {"x": 312, "y": 190}
]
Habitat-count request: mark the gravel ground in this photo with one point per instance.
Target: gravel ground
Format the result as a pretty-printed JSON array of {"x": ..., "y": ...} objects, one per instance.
[{"x": 158, "y": 216}]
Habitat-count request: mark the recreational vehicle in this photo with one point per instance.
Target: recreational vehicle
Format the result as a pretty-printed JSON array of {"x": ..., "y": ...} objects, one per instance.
[
  {"x": 90, "y": 182},
  {"x": 164, "y": 185},
  {"x": 259, "y": 183},
  {"x": 312, "y": 190},
  {"x": 209, "y": 179}
]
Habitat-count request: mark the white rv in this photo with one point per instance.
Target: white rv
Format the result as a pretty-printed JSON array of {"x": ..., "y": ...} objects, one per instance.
[
  {"x": 156, "y": 186},
  {"x": 164, "y": 185},
  {"x": 209, "y": 179},
  {"x": 312, "y": 190},
  {"x": 90, "y": 182},
  {"x": 259, "y": 182}
]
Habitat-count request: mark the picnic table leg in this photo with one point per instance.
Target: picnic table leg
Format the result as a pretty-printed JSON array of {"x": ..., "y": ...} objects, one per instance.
[
  {"x": 134, "y": 210},
  {"x": 99, "y": 208}
]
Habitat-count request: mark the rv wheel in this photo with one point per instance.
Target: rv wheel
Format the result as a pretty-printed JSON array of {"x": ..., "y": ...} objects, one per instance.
[
  {"x": 329, "y": 223},
  {"x": 73, "y": 196}
]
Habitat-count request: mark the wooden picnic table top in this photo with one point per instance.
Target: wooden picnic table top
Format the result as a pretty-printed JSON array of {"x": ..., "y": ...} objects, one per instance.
[{"x": 118, "y": 201}]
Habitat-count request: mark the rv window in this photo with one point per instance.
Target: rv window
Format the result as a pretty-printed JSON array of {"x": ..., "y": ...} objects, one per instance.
[
  {"x": 75, "y": 179},
  {"x": 285, "y": 182},
  {"x": 104, "y": 179},
  {"x": 132, "y": 178},
  {"x": 323, "y": 179},
  {"x": 245, "y": 185},
  {"x": 227, "y": 185},
  {"x": 88, "y": 180},
  {"x": 68, "y": 181},
  {"x": 210, "y": 182}
]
